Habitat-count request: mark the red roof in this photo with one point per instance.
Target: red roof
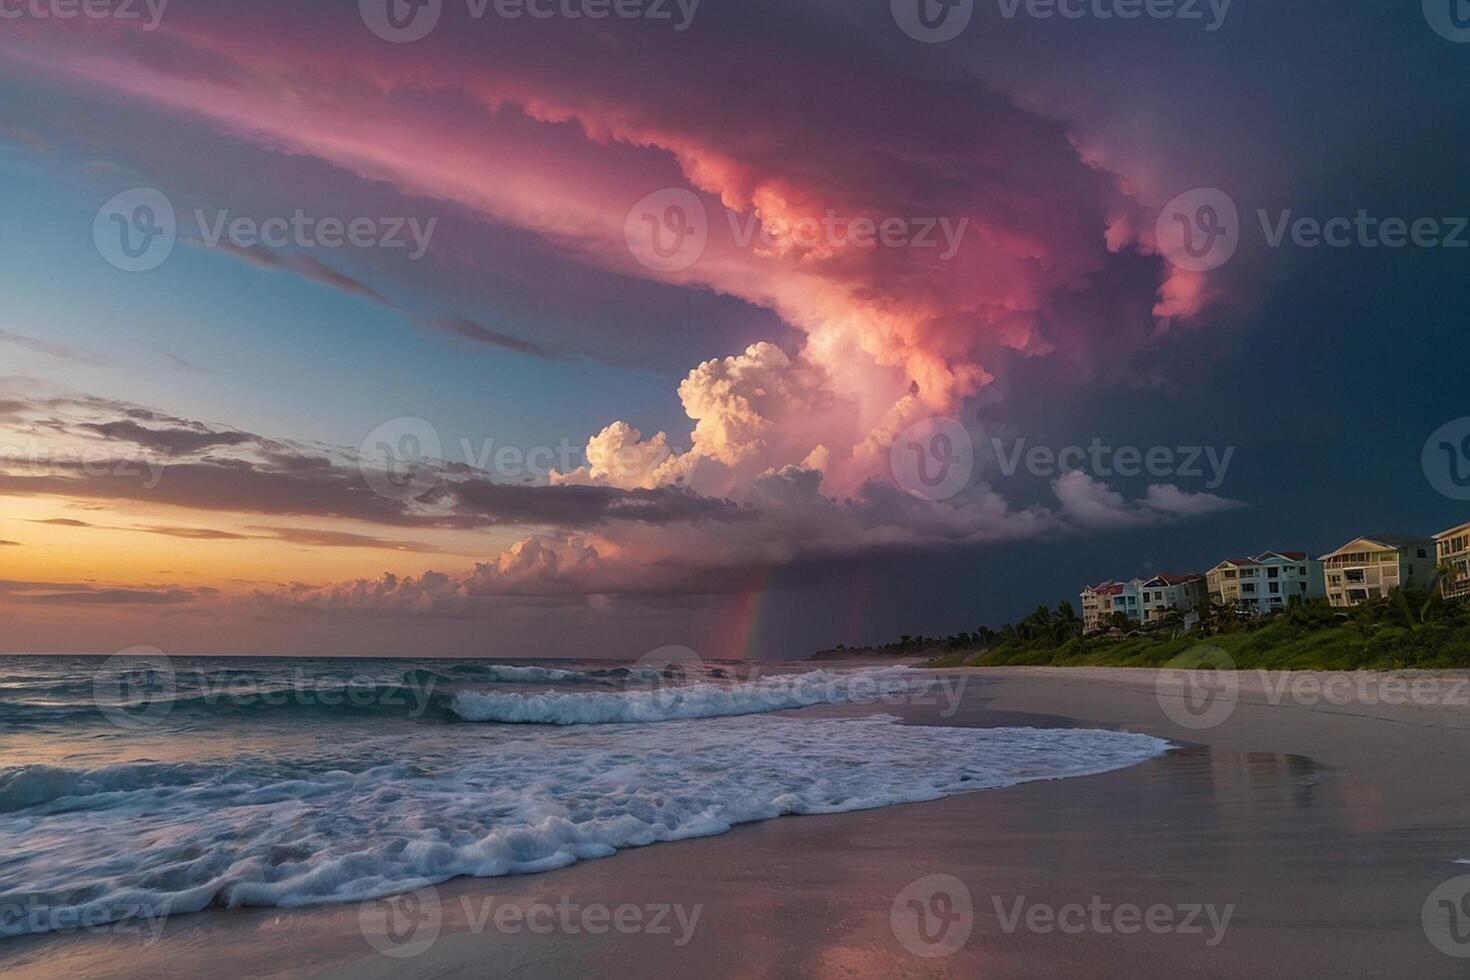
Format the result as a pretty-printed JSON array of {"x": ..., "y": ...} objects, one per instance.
[
  {"x": 1106, "y": 588},
  {"x": 1258, "y": 559}
]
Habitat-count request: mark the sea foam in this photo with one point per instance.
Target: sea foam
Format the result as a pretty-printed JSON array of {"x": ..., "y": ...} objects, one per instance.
[
  {"x": 377, "y": 815},
  {"x": 702, "y": 699}
]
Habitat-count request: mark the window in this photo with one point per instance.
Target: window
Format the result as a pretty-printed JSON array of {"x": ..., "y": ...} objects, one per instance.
[
  {"x": 1229, "y": 573},
  {"x": 1423, "y": 553},
  {"x": 1273, "y": 573},
  {"x": 1249, "y": 588},
  {"x": 1275, "y": 587},
  {"x": 1301, "y": 569},
  {"x": 1303, "y": 585}
]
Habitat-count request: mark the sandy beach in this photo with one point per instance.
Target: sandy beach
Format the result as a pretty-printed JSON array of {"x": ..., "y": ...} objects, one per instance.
[{"x": 1299, "y": 834}]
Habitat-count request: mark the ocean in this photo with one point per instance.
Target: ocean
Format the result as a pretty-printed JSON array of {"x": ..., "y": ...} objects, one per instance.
[{"x": 136, "y": 786}]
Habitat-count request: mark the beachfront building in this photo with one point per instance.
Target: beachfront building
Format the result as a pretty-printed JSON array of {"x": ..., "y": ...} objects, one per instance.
[
  {"x": 1453, "y": 548},
  {"x": 1265, "y": 583},
  {"x": 1186, "y": 593},
  {"x": 1368, "y": 567},
  {"x": 1101, "y": 601}
]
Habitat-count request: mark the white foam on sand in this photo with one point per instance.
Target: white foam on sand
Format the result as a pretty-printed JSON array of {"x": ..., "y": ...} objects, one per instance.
[
  {"x": 376, "y": 816},
  {"x": 775, "y": 692}
]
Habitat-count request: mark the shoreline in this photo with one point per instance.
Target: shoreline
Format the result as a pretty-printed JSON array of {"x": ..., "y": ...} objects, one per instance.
[{"x": 1324, "y": 825}]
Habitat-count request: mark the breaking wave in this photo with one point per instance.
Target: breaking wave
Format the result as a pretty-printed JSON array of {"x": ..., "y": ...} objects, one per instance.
[
  {"x": 680, "y": 703},
  {"x": 375, "y": 816}
]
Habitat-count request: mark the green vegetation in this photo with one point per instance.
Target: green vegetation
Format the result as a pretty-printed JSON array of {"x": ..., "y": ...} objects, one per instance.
[{"x": 1402, "y": 630}]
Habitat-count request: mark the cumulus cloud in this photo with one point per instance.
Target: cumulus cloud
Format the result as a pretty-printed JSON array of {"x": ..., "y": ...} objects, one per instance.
[
  {"x": 1093, "y": 505},
  {"x": 1047, "y": 255},
  {"x": 751, "y": 412}
]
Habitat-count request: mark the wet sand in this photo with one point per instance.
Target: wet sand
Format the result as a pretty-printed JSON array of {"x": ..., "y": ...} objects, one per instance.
[{"x": 1322, "y": 825}]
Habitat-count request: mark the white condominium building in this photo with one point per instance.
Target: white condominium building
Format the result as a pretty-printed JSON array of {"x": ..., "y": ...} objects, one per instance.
[{"x": 1372, "y": 566}]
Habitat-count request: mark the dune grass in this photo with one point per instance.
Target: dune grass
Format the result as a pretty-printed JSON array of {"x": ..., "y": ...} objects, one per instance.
[{"x": 1276, "y": 645}]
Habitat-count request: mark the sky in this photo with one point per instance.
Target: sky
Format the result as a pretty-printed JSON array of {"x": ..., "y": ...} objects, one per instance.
[{"x": 584, "y": 328}]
